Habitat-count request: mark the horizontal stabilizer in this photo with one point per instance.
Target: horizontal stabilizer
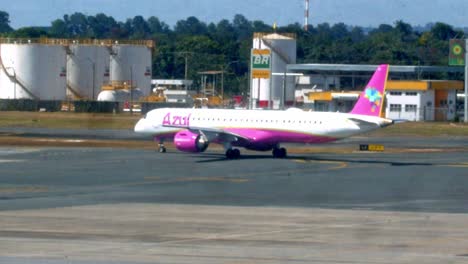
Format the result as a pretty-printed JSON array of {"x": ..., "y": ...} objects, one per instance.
[{"x": 362, "y": 123}]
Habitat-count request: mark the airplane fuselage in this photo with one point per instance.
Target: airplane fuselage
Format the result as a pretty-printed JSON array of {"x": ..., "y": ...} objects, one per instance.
[
  {"x": 194, "y": 129},
  {"x": 263, "y": 127}
]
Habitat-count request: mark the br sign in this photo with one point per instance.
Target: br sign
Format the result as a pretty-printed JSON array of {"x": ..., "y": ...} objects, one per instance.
[{"x": 261, "y": 63}]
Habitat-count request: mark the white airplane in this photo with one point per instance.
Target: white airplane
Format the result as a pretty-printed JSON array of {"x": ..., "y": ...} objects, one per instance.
[{"x": 192, "y": 130}]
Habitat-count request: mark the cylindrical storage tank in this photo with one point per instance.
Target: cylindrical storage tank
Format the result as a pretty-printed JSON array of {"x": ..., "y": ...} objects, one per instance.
[
  {"x": 108, "y": 96},
  {"x": 87, "y": 70},
  {"x": 283, "y": 49},
  {"x": 33, "y": 71},
  {"x": 131, "y": 63},
  {"x": 120, "y": 95}
]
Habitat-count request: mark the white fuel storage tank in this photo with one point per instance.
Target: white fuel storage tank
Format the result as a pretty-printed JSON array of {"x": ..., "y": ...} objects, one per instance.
[
  {"x": 87, "y": 70},
  {"x": 283, "y": 48},
  {"x": 131, "y": 63},
  {"x": 120, "y": 95},
  {"x": 32, "y": 71}
]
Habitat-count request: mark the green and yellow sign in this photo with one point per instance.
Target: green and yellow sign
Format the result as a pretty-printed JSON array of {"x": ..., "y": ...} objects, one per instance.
[
  {"x": 457, "y": 52},
  {"x": 261, "y": 63}
]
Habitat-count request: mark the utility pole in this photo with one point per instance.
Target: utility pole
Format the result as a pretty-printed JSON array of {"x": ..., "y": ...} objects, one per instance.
[
  {"x": 94, "y": 79},
  {"x": 185, "y": 54},
  {"x": 466, "y": 81},
  {"x": 131, "y": 89},
  {"x": 186, "y": 66}
]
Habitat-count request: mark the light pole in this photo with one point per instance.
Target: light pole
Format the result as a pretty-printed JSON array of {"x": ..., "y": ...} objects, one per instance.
[
  {"x": 285, "y": 74},
  {"x": 94, "y": 79},
  {"x": 222, "y": 76},
  {"x": 466, "y": 81},
  {"x": 131, "y": 89}
]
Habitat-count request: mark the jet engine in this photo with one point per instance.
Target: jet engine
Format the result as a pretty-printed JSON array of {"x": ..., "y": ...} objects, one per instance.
[{"x": 188, "y": 141}]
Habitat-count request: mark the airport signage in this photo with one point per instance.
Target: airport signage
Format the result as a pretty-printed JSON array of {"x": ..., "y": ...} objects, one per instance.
[
  {"x": 261, "y": 63},
  {"x": 457, "y": 52},
  {"x": 371, "y": 147}
]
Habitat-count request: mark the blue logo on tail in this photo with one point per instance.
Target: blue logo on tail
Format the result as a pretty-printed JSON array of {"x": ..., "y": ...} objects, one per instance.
[{"x": 374, "y": 97}]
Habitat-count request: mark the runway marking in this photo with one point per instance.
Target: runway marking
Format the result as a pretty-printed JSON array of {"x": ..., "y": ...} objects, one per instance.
[
  {"x": 202, "y": 179},
  {"x": 231, "y": 236},
  {"x": 340, "y": 164},
  {"x": 61, "y": 140},
  {"x": 289, "y": 172},
  {"x": 455, "y": 165},
  {"x": 23, "y": 189},
  {"x": 156, "y": 179},
  {"x": 10, "y": 161}
]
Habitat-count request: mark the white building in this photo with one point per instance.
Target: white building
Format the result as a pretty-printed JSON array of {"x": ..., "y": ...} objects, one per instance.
[
  {"x": 175, "y": 91},
  {"x": 422, "y": 100},
  {"x": 408, "y": 100}
]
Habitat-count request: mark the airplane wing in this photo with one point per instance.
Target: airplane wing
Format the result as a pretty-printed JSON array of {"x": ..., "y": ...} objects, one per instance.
[{"x": 217, "y": 135}]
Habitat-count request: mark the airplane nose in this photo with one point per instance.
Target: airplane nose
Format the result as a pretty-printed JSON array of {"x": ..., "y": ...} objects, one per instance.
[{"x": 140, "y": 126}]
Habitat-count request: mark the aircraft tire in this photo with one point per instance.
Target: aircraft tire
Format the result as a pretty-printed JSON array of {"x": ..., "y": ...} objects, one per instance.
[
  {"x": 283, "y": 153},
  {"x": 279, "y": 153},
  {"x": 232, "y": 153}
]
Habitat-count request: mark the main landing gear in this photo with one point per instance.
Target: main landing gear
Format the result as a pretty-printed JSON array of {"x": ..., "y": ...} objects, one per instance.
[
  {"x": 232, "y": 153},
  {"x": 162, "y": 148},
  {"x": 279, "y": 153}
]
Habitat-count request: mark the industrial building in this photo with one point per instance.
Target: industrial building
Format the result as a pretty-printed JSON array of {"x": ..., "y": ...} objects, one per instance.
[
  {"x": 422, "y": 100},
  {"x": 416, "y": 100},
  {"x": 269, "y": 93},
  {"x": 60, "y": 69},
  {"x": 408, "y": 100},
  {"x": 173, "y": 91}
]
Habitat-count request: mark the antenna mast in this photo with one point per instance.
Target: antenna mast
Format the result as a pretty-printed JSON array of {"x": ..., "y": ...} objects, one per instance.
[{"x": 306, "y": 15}]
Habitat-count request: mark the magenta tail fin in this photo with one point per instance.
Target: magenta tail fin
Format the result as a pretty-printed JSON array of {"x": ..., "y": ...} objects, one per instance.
[{"x": 370, "y": 101}]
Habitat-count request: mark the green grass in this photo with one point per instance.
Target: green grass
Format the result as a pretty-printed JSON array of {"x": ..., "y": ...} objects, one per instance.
[
  {"x": 68, "y": 120},
  {"x": 427, "y": 129}
]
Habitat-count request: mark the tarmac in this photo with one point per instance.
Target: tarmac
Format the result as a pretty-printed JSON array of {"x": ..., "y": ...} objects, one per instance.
[{"x": 119, "y": 205}]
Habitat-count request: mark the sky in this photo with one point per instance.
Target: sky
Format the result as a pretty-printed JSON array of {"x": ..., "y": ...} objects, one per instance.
[{"x": 351, "y": 12}]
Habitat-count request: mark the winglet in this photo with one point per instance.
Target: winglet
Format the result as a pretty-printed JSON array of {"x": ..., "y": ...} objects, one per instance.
[{"x": 370, "y": 101}]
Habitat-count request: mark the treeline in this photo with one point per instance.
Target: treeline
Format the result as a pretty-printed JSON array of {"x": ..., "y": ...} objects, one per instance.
[{"x": 226, "y": 45}]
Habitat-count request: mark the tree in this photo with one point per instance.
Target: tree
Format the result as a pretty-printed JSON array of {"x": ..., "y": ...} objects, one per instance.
[
  {"x": 139, "y": 28},
  {"x": 443, "y": 31},
  {"x": 101, "y": 26},
  {"x": 242, "y": 26},
  {"x": 339, "y": 31},
  {"x": 156, "y": 26},
  {"x": 77, "y": 25},
  {"x": 259, "y": 26},
  {"x": 5, "y": 22},
  {"x": 191, "y": 26},
  {"x": 405, "y": 31},
  {"x": 59, "y": 29},
  {"x": 214, "y": 46},
  {"x": 383, "y": 28},
  {"x": 28, "y": 32}
]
